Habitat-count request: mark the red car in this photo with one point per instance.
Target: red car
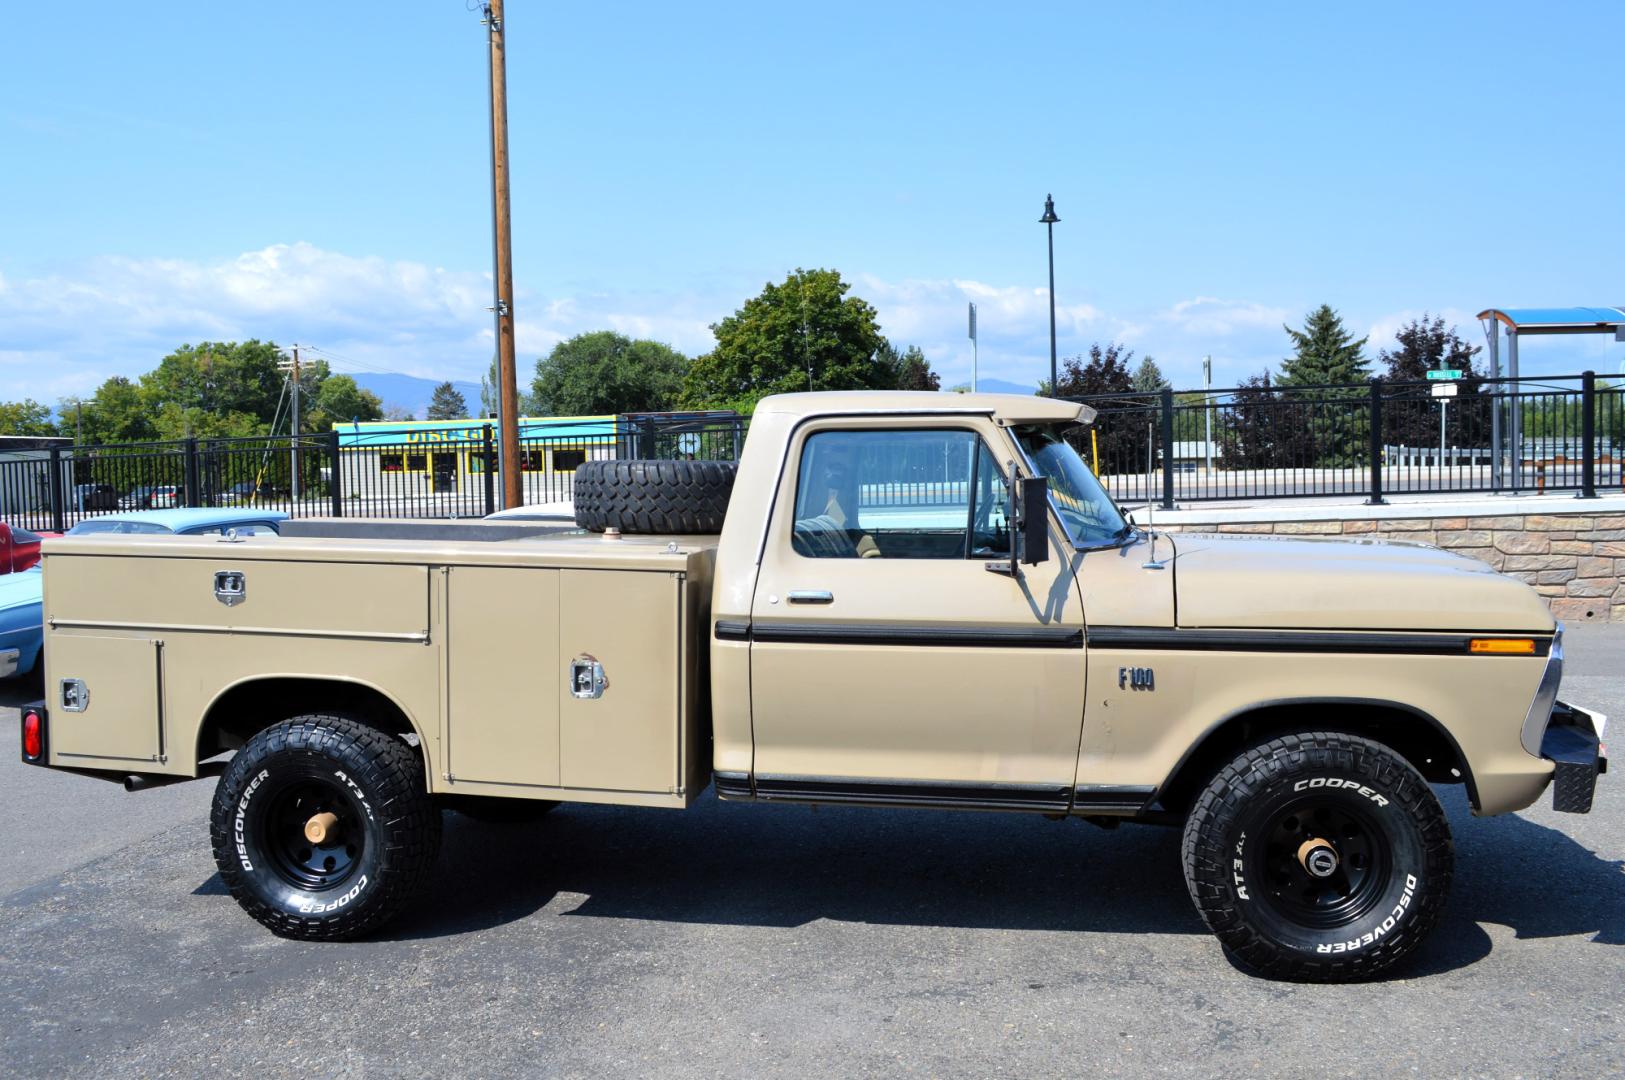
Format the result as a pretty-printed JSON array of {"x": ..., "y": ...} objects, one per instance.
[{"x": 19, "y": 549}]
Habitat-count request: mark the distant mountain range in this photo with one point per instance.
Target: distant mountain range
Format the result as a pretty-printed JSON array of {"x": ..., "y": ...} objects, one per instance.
[{"x": 411, "y": 392}]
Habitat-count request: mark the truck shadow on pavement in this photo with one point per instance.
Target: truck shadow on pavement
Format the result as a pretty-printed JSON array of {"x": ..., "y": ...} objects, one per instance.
[{"x": 788, "y": 866}]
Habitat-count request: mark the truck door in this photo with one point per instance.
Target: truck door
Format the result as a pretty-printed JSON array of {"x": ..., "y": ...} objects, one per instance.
[{"x": 888, "y": 663}]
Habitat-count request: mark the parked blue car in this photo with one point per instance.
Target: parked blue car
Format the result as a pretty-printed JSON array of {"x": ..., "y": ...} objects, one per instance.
[
  {"x": 22, "y": 626},
  {"x": 22, "y": 622}
]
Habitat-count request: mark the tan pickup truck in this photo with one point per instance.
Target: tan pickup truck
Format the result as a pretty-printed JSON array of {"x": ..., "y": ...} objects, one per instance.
[{"x": 898, "y": 600}]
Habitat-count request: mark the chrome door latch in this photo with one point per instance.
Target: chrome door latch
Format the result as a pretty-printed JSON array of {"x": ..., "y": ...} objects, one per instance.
[
  {"x": 587, "y": 677},
  {"x": 74, "y": 695},
  {"x": 230, "y": 587}
]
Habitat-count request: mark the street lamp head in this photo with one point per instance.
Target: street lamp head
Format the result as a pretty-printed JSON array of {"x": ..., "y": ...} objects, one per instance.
[{"x": 1049, "y": 217}]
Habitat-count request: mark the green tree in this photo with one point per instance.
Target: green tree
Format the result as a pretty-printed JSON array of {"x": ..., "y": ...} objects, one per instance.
[
  {"x": 909, "y": 369},
  {"x": 1410, "y": 414},
  {"x": 803, "y": 334},
  {"x": 604, "y": 372},
  {"x": 25, "y": 417},
  {"x": 115, "y": 413},
  {"x": 1121, "y": 426},
  {"x": 215, "y": 389},
  {"x": 446, "y": 403},
  {"x": 339, "y": 399},
  {"x": 1325, "y": 354},
  {"x": 1148, "y": 377}
]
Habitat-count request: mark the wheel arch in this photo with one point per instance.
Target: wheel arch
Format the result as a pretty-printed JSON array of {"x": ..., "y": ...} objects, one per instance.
[
  {"x": 248, "y": 706},
  {"x": 1414, "y": 734}
]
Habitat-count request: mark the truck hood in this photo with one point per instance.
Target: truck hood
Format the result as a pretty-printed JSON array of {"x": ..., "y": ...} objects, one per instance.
[{"x": 1281, "y": 582}]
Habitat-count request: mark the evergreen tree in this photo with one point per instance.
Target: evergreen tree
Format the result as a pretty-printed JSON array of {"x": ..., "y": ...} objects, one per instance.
[
  {"x": 447, "y": 403},
  {"x": 1148, "y": 377},
  {"x": 1325, "y": 354}
]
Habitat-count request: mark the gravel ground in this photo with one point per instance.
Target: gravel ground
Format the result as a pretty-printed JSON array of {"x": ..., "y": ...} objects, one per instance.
[{"x": 773, "y": 941}]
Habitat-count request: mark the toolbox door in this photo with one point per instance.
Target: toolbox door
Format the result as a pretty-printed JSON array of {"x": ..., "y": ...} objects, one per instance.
[
  {"x": 105, "y": 696},
  {"x": 623, "y": 733},
  {"x": 502, "y": 634}
]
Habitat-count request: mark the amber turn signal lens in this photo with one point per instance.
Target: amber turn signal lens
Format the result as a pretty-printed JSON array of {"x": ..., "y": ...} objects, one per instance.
[
  {"x": 1503, "y": 646},
  {"x": 32, "y": 741}
]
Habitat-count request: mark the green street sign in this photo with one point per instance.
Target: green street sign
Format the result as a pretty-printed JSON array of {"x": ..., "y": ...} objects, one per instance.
[{"x": 1445, "y": 373}]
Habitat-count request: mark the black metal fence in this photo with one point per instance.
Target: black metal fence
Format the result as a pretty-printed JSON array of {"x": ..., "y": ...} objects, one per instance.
[
  {"x": 1265, "y": 442},
  {"x": 437, "y": 473}
]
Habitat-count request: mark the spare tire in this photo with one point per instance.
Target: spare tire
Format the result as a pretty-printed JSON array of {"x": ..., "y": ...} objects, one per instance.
[{"x": 653, "y": 496}]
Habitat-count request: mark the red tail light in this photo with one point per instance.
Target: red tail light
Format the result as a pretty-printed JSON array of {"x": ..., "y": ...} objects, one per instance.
[{"x": 33, "y": 735}]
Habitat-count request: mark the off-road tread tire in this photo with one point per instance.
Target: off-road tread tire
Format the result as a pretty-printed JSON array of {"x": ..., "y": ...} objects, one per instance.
[
  {"x": 392, "y": 774},
  {"x": 653, "y": 496},
  {"x": 1207, "y": 864}
]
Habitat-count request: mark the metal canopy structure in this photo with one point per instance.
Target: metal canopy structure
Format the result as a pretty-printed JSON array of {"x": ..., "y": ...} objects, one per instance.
[{"x": 1518, "y": 322}]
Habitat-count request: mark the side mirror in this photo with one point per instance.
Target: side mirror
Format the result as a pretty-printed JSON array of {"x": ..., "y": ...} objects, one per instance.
[{"x": 1034, "y": 521}]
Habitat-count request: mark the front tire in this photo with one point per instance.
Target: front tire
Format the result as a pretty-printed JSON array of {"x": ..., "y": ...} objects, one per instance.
[
  {"x": 1318, "y": 857},
  {"x": 323, "y": 829}
]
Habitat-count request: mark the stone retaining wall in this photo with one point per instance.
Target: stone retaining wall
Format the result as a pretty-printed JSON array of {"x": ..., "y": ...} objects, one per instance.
[{"x": 1576, "y": 561}]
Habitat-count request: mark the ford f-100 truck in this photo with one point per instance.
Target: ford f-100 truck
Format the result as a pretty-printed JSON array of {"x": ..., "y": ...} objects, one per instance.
[{"x": 896, "y": 600}]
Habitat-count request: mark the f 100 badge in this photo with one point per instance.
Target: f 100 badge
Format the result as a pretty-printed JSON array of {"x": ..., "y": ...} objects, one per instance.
[{"x": 1136, "y": 678}]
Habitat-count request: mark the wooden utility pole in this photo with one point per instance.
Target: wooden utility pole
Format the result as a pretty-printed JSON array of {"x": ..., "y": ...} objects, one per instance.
[{"x": 502, "y": 240}]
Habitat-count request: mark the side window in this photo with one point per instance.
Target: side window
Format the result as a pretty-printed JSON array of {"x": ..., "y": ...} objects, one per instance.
[{"x": 923, "y": 494}]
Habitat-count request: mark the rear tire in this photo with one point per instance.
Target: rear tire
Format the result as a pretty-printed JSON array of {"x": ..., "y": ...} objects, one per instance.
[
  {"x": 653, "y": 496},
  {"x": 323, "y": 829},
  {"x": 1318, "y": 857}
]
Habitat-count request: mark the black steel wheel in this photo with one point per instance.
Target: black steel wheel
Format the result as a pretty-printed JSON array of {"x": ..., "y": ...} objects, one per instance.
[
  {"x": 1318, "y": 856},
  {"x": 323, "y": 828}
]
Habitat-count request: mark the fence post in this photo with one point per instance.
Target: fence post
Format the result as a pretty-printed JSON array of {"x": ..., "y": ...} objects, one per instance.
[
  {"x": 1588, "y": 434},
  {"x": 1167, "y": 448},
  {"x": 646, "y": 438},
  {"x": 54, "y": 490},
  {"x": 335, "y": 472},
  {"x": 190, "y": 474},
  {"x": 1376, "y": 445},
  {"x": 488, "y": 459}
]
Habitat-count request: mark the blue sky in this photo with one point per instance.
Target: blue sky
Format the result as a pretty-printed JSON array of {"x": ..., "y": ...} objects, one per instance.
[{"x": 315, "y": 172}]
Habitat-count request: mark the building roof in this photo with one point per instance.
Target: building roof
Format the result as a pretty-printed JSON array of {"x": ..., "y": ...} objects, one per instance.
[
  {"x": 1572, "y": 320},
  {"x": 395, "y": 432}
]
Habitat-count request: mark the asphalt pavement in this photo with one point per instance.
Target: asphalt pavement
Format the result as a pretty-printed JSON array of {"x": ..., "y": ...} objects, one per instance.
[{"x": 781, "y": 941}]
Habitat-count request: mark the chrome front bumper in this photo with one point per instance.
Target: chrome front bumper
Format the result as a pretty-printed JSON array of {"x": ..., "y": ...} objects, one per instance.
[
  {"x": 8, "y": 662},
  {"x": 1573, "y": 743}
]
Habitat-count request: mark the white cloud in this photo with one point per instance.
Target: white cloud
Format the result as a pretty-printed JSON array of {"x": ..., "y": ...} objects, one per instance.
[
  {"x": 1209, "y": 317},
  {"x": 65, "y": 332}
]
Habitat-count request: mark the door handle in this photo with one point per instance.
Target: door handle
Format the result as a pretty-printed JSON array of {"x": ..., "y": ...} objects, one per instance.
[{"x": 811, "y": 596}]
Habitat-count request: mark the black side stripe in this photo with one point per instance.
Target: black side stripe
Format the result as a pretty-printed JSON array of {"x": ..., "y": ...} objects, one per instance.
[
  {"x": 1300, "y": 641},
  {"x": 985, "y": 637}
]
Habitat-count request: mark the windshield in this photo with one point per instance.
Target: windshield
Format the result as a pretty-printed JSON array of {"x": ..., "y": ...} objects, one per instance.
[
  {"x": 1085, "y": 509},
  {"x": 103, "y": 525}
]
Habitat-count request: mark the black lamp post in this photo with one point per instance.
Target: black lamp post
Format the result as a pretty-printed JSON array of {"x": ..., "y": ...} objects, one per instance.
[{"x": 1048, "y": 221}]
